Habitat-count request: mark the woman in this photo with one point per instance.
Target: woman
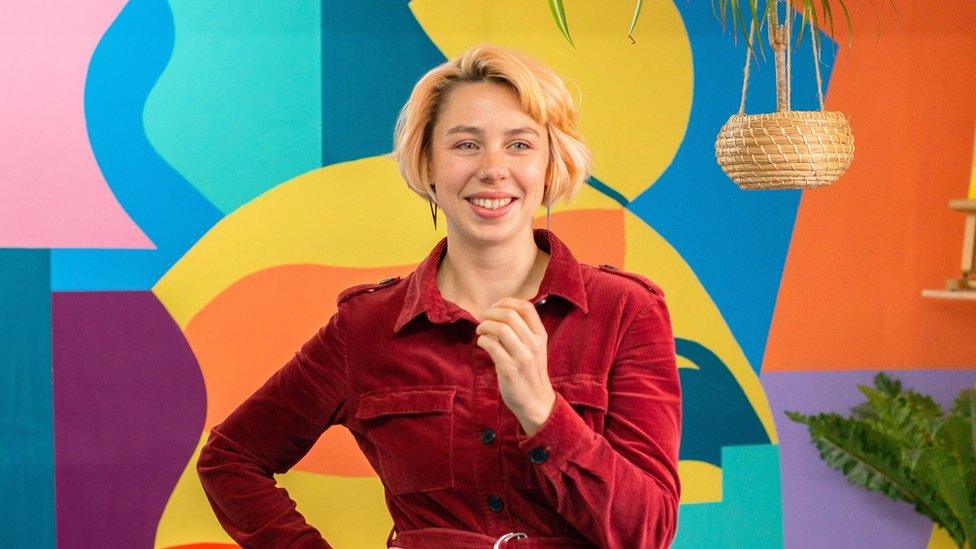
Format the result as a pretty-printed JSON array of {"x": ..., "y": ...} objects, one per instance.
[{"x": 505, "y": 394}]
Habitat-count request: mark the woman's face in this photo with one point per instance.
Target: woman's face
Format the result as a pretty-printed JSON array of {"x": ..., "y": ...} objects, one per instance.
[{"x": 483, "y": 144}]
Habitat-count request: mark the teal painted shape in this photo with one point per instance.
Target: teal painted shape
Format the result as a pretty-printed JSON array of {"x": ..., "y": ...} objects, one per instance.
[
  {"x": 751, "y": 511},
  {"x": 373, "y": 52},
  {"x": 26, "y": 413},
  {"x": 238, "y": 110},
  {"x": 715, "y": 411}
]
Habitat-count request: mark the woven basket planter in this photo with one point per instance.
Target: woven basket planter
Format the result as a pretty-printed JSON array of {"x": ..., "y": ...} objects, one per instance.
[{"x": 785, "y": 150}]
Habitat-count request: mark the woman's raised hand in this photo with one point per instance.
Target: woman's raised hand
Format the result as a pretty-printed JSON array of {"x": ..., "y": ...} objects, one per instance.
[{"x": 513, "y": 335}]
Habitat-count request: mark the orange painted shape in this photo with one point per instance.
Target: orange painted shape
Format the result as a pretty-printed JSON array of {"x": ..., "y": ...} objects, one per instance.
[
  {"x": 863, "y": 249},
  {"x": 255, "y": 326},
  {"x": 594, "y": 236}
]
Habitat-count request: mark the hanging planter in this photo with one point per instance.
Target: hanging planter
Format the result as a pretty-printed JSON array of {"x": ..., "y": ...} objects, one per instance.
[{"x": 787, "y": 149}]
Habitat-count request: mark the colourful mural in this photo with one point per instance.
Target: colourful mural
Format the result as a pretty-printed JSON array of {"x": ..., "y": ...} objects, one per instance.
[{"x": 230, "y": 173}]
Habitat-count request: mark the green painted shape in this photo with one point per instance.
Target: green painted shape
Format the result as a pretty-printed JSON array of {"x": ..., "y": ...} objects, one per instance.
[
  {"x": 26, "y": 409},
  {"x": 238, "y": 110},
  {"x": 751, "y": 511}
]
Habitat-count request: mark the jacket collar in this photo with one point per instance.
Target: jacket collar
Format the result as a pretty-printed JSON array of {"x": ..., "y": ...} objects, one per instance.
[{"x": 562, "y": 278}]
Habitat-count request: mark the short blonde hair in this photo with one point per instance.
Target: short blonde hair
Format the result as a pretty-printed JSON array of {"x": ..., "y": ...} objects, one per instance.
[{"x": 542, "y": 93}]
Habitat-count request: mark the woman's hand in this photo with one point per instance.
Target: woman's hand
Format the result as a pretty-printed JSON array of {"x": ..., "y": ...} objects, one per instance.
[{"x": 513, "y": 334}]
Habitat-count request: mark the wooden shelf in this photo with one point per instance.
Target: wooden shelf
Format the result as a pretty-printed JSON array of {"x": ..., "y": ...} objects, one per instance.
[
  {"x": 951, "y": 294},
  {"x": 962, "y": 205}
]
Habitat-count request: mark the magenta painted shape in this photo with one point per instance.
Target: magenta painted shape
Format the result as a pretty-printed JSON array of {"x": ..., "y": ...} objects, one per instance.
[{"x": 129, "y": 408}]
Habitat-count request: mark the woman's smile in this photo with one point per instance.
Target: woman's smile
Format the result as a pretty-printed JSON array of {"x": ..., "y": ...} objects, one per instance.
[{"x": 491, "y": 209}]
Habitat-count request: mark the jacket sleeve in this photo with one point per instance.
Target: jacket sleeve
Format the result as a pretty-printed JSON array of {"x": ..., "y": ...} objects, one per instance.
[
  {"x": 267, "y": 434},
  {"x": 620, "y": 489}
]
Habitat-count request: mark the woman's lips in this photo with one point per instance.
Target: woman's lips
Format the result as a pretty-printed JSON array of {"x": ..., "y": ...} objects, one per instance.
[{"x": 491, "y": 214}]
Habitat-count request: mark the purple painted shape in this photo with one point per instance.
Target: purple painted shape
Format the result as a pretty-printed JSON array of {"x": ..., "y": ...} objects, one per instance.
[
  {"x": 820, "y": 509},
  {"x": 129, "y": 408}
]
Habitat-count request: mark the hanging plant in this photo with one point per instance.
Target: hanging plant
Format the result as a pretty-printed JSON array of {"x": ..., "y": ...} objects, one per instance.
[
  {"x": 728, "y": 9},
  {"x": 787, "y": 149},
  {"x": 783, "y": 150},
  {"x": 902, "y": 444}
]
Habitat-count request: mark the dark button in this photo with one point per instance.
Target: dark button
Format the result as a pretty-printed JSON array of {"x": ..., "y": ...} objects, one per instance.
[
  {"x": 538, "y": 454},
  {"x": 542, "y": 301},
  {"x": 389, "y": 279},
  {"x": 487, "y": 436},
  {"x": 495, "y": 504}
]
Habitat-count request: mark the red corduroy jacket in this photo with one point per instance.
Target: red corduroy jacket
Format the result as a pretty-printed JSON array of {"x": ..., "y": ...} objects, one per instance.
[{"x": 398, "y": 366}]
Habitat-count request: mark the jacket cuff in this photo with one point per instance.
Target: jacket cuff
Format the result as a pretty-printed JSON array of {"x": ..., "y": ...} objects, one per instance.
[{"x": 562, "y": 434}]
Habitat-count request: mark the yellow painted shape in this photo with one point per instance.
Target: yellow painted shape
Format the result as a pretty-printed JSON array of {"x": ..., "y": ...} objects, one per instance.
[
  {"x": 693, "y": 313},
  {"x": 701, "y": 482},
  {"x": 685, "y": 363},
  {"x": 353, "y": 214},
  {"x": 940, "y": 539},
  {"x": 972, "y": 174},
  {"x": 188, "y": 517},
  {"x": 636, "y": 98},
  {"x": 348, "y": 511}
]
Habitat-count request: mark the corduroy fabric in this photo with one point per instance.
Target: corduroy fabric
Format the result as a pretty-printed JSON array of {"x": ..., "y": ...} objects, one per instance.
[{"x": 397, "y": 365}]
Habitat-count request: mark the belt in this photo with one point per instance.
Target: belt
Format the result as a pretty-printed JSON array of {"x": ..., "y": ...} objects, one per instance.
[{"x": 447, "y": 538}]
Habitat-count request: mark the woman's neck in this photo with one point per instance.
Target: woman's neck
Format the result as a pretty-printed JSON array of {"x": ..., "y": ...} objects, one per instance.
[{"x": 475, "y": 276}]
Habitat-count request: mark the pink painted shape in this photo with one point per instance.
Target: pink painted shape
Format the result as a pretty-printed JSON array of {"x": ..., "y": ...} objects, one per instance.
[{"x": 52, "y": 194}]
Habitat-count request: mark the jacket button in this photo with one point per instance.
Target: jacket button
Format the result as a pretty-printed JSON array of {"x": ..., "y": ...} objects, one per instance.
[
  {"x": 542, "y": 301},
  {"x": 487, "y": 436},
  {"x": 538, "y": 454},
  {"x": 495, "y": 504}
]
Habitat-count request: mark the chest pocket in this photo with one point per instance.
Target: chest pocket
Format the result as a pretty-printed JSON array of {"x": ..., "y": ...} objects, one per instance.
[
  {"x": 589, "y": 398},
  {"x": 412, "y": 430}
]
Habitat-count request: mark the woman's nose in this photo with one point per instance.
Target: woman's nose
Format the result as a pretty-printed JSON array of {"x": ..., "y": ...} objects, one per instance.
[{"x": 494, "y": 167}]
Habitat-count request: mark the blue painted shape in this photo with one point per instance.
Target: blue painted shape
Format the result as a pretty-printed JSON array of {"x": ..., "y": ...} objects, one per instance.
[
  {"x": 26, "y": 422},
  {"x": 736, "y": 241},
  {"x": 751, "y": 511},
  {"x": 373, "y": 52},
  {"x": 715, "y": 411},
  {"x": 123, "y": 70}
]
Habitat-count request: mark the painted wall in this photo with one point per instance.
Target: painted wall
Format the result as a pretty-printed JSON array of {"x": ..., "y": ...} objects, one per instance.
[{"x": 186, "y": 186}]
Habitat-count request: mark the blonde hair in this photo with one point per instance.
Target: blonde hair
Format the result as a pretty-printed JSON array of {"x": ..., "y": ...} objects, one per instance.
[{"x": 543, "y": 96}]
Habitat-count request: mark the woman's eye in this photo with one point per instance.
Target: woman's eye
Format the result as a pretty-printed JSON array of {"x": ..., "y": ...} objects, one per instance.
[
  {"x": 522, "y": 143},
  {"x": 462, "y": 145}
]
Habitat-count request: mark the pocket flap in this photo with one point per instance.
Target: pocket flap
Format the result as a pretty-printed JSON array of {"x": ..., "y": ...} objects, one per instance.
[
  {"x": 406, "y": 400},
  {"x": 583, "y": 393}
]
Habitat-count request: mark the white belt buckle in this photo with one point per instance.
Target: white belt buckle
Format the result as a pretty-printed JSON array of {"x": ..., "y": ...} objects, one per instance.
[{"x": 508, "y": 536}]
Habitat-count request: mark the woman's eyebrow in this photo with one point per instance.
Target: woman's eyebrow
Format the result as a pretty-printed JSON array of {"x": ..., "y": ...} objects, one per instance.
[{"x": 478, "y": 131}]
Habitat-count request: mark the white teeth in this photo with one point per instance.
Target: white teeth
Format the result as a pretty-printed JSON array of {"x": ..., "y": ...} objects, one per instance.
[{"x": 491, "y": 204}]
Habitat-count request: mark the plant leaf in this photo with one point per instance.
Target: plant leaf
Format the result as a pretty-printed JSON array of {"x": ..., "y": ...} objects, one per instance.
[
  {"x": 559, "y": 14},
  {"x": 949, "y": 479},
  {"x": 633, "y": 22},
  {"x": 887, "y": 384},
  {"x": 866, "y": 458}
]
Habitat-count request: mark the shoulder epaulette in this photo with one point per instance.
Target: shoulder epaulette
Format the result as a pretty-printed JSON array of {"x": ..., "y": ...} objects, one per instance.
[
  {"x": 366, "y": 288},
  {"x": 646, "y": 282}
]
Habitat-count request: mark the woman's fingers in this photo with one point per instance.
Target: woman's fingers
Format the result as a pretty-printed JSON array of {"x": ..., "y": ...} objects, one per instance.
[{"x": 526, "y": 310}]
